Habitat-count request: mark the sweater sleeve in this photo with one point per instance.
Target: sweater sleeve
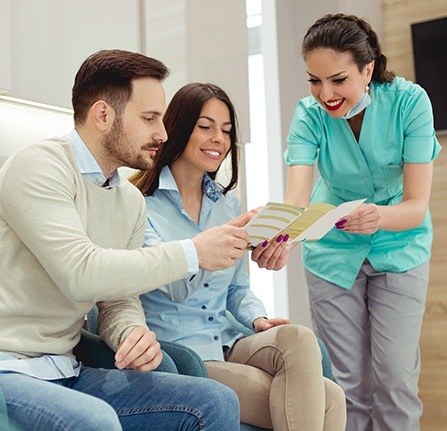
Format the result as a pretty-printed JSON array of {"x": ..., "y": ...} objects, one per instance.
[
  {"x": 116, "y": 319},
  {"x": 37, "y": 200}
]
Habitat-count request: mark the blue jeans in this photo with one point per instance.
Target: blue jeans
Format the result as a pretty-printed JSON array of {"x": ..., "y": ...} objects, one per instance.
[{"x": 110, "y": 400}]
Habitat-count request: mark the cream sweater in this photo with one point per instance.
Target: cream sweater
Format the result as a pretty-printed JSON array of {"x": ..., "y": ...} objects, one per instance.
[{"x": 66, "y": 244}]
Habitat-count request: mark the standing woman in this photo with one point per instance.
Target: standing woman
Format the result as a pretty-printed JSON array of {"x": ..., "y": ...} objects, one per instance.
[
  {"x": 372, "y": 136},
  {"x": 276, "y": 372}
]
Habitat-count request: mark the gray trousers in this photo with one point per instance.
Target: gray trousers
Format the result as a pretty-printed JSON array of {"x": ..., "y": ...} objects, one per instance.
[{"x": 372, "y": 333}]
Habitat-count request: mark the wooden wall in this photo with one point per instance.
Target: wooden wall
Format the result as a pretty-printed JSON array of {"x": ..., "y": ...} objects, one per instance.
[{"x": 396, "y": 41}]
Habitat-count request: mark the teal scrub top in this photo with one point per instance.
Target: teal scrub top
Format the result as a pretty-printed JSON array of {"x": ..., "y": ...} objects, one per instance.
[{"x": 397, "y": 128}]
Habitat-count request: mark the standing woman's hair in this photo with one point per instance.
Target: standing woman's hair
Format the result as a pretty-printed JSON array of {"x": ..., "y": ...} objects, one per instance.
[
  {"x": 348, "y": 33},
  {"x": 180, "y": 119}
]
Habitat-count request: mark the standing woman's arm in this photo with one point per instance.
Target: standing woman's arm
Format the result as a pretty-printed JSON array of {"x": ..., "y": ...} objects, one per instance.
[
  {"x": 408, "y": 214},
  {"x": 299, "y": 185}
]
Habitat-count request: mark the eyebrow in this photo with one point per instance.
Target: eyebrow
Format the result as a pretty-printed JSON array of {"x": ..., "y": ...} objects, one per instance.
[
  {"x": 152, "y": 113},
  {"x": 213, "y": 120},
  {"x": 329, "y": 77}
]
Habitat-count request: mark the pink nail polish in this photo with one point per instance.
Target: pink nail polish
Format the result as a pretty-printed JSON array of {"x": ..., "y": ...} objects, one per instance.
[
  {"x": 279, "y": 239},
  {"x": 286, "y": 238},
  {"x": 265, "y": 243}
]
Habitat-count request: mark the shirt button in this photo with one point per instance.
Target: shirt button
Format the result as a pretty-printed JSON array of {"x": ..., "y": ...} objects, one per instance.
[
  {"x": 365, "y": 180},
  {"x": 216, "y": 337},
  {"x": 210, "y": 319},
  {"x": 203, "y": 307},
  {"x": 206, "y": 284}
]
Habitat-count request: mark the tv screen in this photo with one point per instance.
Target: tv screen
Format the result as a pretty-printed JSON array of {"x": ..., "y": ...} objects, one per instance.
[{"x": 430, "y": 61}]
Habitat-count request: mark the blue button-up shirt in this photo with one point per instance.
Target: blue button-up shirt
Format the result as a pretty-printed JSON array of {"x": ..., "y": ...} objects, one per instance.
[{"x": 193, "y": 311}]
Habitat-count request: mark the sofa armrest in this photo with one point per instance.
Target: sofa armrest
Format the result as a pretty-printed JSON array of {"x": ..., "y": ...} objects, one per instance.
[
  {"x": 186, "y": 360},
  {"x": 93, "y": 352}
]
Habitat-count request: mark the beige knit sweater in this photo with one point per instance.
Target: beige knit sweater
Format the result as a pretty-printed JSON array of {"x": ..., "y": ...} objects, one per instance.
[{"x": 66, "y": 244}]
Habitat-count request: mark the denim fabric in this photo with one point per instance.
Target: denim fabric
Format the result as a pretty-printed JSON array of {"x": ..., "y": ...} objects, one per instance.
[{"x": 111, "y": 400}]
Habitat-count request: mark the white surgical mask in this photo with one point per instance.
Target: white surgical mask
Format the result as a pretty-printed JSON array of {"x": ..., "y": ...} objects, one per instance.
[{"x": 364, "y": 101}]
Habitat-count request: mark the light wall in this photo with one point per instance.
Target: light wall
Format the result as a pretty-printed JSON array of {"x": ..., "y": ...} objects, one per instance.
[{"x": 44, "y": 42}]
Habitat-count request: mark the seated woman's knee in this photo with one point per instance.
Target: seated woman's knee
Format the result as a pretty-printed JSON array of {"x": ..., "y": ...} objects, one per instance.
[{"x": 295, "y": 336}]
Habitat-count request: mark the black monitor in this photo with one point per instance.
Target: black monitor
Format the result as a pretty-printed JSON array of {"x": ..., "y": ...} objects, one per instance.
[{"x": 430, "y": 62}]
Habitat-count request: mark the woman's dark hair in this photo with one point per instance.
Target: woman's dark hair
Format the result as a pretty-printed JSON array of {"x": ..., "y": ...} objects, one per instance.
[
  {"x": 108, "y": 75},
  {"x": 348, "y": 33},
  {"x": 180, "y": 119}
]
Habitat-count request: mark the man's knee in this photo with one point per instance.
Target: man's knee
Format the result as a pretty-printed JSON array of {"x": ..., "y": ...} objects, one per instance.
[
  {"x": 212, "y": 389},
  {"x": 217, "y": 402},
  {"x": 99, "y": 415},
  {"x": 92, "y": 416}
]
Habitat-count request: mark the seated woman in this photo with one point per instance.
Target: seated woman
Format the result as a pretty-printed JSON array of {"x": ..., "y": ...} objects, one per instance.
[{"x": 276, "y": 372}]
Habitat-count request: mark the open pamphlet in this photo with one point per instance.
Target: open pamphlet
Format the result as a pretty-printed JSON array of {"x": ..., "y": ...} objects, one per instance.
[{"x": 301, "y": 224}]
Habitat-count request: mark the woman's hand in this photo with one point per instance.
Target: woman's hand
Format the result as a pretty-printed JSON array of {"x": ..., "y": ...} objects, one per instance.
[
  {"x": 262, "y": 324},
  {"x": 272, "y": 256},
  {"x": 365, "y": 219}
]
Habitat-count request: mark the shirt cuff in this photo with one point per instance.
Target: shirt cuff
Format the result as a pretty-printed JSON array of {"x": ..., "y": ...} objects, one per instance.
[{"x": 192, "y": 260}]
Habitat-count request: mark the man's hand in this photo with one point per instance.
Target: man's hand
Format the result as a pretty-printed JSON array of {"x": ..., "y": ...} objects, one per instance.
[
  {"x": 244, "y": 218},
  {"x": 139, "y": 351},
  {"x": 273, "y": 256},
  {"x": 262, "y": 324},
  {"x": 221, "y": 246}
]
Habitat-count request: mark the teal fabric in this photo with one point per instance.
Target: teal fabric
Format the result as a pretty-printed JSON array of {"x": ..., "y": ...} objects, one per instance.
[
  {"x": 186, "y": 360},
  {"x": 397, "y": 129}
]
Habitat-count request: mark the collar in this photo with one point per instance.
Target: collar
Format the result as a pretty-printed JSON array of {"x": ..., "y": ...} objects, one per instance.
[
  {"x": 211, "y": 189},
  {"x": 87, "y": 164}
]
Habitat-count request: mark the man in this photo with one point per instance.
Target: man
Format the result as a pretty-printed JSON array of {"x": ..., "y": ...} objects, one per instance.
[{"x": 70, "y": 232}]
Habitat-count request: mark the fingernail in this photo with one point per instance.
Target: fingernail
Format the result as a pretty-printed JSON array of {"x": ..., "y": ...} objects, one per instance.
[
  {"x": 265, "y": 243},
  {"x": 118, "y": 358},
  {"x": 286, "y": 238},
  {"x": 279, "y": 239},
  {"x": 340, "y": 223}
]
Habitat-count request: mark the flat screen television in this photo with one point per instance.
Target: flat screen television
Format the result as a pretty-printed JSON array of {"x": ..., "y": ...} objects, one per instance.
[{"x": 430, "y": 62}]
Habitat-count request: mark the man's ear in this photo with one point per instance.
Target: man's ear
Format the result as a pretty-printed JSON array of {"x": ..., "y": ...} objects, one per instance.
[{"x": 103, "y": 115}]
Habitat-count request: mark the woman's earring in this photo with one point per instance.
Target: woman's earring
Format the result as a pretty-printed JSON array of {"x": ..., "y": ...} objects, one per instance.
[{"x": 367, "y": 89}]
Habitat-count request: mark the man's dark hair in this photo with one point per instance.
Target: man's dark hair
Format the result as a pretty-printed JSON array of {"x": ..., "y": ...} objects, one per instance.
[{"x": 107, "y": 75}]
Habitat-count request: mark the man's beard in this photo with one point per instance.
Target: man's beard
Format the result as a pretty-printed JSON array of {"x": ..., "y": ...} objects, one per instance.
[{"x": 118, "y": 147}]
